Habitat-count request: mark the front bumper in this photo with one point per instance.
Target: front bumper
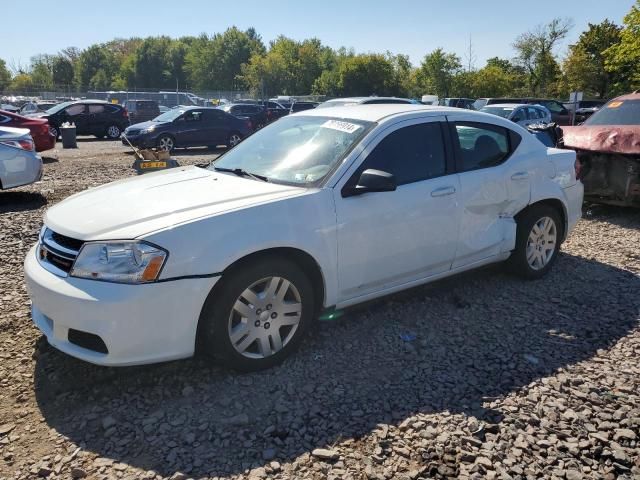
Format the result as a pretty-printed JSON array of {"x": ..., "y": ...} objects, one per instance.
[
  {"x": 139, "y": 324},
  {"x": 140, "y": 141},
  {"x": 574, "y": 195}
]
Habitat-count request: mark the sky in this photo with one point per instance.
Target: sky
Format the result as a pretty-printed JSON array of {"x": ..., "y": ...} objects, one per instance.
[{"x": 413, "y": 27}]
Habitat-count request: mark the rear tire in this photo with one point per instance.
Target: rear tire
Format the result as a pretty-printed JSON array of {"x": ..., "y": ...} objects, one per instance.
[
  {"x": 257, "y": 315},
  {"x": 234, "y": 139},
  {"x": 113, "y": 132},
  {"x": 538, "y": 238}
]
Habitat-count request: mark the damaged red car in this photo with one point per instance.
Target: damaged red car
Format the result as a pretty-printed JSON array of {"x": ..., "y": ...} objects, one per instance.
[{"x": 608, "y": 152}]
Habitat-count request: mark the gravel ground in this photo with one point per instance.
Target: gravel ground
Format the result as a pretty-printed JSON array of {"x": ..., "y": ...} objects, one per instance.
[{"x": 504, "y": 378}]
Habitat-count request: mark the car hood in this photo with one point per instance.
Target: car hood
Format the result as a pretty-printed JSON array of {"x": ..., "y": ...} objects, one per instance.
[
  {"x": 603, "y": 138},
  {"x": 137, "y": 206}
]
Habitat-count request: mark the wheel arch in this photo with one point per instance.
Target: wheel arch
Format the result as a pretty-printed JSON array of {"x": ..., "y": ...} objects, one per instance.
[
  {"x": 557, "y": 205},
  {"x": 307, "y": 263}
]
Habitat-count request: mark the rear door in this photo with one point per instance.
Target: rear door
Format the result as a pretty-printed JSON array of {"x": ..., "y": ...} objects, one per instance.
[
  {"x": 192, "y": 130},
  {"x": 494, "y": 184},
  {"x": 215, "y": 125},
  {"x": 97, "y": 119}
]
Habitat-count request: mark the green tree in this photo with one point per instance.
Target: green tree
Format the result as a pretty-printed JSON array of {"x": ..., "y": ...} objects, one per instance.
[
  {"x": 437, "y": 71},
  {"x": 151, "y": 63},
  {"x": 535, "y": 52},
  {"x": 21, "y": 83},
  {"x": 368, "y": 74},
  {"x": 5, "y": 75},
  {"x": 216, "y": 62},
  {"x": 41, "y": 71},
  {"x": 584, "y": 67},
  {"x": 96, "y": 66},
  {"x": 623, "y": 58},
  {"x": 62, "y": 70}
]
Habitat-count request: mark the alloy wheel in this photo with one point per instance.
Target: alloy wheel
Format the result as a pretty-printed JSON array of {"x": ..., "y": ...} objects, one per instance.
[
  {"x": 265, "y": 317},
  {"x": 234, "y": 140},
  {"x": 166, "y": 143},
  {"x": 541, "y": 244},
  {"x": 113, "y": 131}
]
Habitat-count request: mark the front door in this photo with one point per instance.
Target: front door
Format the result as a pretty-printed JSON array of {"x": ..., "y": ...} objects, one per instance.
[
  {"x": 387, "y": 239},
  {"x": 493, "y": 187},
  {"x": 191, "y": 130},
  {"x": 77, "y": 114}
]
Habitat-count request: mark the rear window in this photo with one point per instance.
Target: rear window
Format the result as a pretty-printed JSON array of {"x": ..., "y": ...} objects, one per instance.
[{"x": 617, "y": 112}]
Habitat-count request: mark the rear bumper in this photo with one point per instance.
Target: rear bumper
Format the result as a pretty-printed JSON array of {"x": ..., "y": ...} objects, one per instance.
[
  {"x": 44, "y": 142},
  {"x": 574, "y": 196},
  {"x": 23, "y": 169}
]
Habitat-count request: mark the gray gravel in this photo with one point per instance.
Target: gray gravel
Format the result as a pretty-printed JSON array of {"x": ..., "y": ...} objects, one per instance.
[{"x": 504, "y": 379}]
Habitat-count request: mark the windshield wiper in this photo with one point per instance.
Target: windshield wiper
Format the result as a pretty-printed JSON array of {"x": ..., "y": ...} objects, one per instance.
[{"x": 242, "y": 173}]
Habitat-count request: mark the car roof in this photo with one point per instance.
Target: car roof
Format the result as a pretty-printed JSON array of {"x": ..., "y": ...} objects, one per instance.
[
  {"x": 377, "y": 112},
  {"x": 629, "y": 96},
  {"x": 510, "y": 105}
]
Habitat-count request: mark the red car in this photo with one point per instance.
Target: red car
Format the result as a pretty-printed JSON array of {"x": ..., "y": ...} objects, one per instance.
[{"x": 39, "y": 129}]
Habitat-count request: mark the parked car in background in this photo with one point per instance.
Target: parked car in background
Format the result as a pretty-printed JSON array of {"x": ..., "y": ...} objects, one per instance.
[
  {"x": 188, "y": 127},
  {"x": 340, "y": 102},
  {"x": 584, "y": 108},
  {"x": 608, "y": 148},
  {"x": 302, "y": 106},
  {"x": 19, "y": 162},
  {"x": 36, "y": 107},
  {"x": 559, "y": 113},
  {"x": 7, "y": 107},
  {"x": 163, "y": 108},
  {"x": 141, "y": 110},
  {"x": 257, "y": 114},
  {"x": 38, "y": 127},
  {"x": 458, "y": 102},
  {"x": 275, "y": 110},
  {"x": 308, "y": 213},
  {"x": 91, "y": 117},
  {"x": 522, "y": 114}
]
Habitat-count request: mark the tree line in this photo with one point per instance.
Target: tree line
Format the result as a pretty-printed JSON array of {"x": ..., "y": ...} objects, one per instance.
[{"x": 604, "y": 61}]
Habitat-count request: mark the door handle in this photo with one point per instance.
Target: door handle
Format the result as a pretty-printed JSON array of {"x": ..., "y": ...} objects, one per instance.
[
  {"x": 520, "y": 176},
  {"x": 443, "y": 191}
]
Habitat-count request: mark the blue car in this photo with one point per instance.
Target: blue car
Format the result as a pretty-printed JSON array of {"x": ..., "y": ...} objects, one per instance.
[{"x": 188, "y": 127}]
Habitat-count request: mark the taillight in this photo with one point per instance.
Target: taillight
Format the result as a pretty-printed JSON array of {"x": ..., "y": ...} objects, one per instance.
[
  {"x": 125, "y": 112},
  {"x": 21, "y": 144}
]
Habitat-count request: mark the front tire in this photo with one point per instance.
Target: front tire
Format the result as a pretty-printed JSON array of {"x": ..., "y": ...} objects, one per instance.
[
  {"x": 166, "y": 143},
  {"x": 538, "y": 237},
  {"x": 258, "y": 315}
]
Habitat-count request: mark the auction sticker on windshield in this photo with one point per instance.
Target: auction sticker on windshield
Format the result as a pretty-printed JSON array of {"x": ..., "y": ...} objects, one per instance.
[{"x": 341, "y": 126}]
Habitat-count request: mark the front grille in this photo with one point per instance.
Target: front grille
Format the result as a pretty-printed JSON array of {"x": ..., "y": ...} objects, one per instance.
[
  {"x": 58, "y": 250},
  {"x": 132, "y": 133},
  {"x": 67, "y": 242}
]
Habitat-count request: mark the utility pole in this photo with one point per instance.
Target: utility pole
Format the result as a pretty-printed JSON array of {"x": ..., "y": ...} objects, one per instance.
[{"x": 471, "y": 56}]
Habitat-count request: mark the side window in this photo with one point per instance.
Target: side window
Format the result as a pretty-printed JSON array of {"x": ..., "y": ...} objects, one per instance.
[
  {"x": 213, "y": 116},
  {"x": 482, "y": 145},
  {"x": 193, "y": 116},
  {"x": 96, "y": 108},
  {"x": 411, "y": 154},
  {"x": 533, "y": 113},
  {"x": 75, "y": 109},
  {"x": 518, "y": 115},
  {"x": 554, "y": 107}
]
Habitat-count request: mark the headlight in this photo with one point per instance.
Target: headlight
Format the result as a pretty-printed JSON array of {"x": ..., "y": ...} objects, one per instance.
[
  {"x": 120, "y": 262},
  {"x": 148, "y": 129}
]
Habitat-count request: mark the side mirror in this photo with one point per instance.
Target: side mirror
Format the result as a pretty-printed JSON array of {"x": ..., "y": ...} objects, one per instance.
[{"x": 371, "y": 181}]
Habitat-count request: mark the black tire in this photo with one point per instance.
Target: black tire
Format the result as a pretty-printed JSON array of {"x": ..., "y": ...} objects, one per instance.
[
  {"x": 113, "y": 132},
  {"x": 164, "y": 140},
  {"x": 526, "y": 221},
  {"x": 215, "y": 319}
]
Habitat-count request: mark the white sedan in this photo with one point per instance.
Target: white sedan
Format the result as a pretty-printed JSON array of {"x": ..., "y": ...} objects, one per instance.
[
  {"x": 520, "y": 113},
  {"x": 19, "y": 162},
  {"x": 318, "y": 211}
]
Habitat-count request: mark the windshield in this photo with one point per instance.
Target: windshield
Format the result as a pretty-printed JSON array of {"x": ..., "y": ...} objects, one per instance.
[
  {"x": 479, "y": 103},
  {"x": 169, "y": 116},
  {"x": 57, "y": 108},
  {"x": 503, "y": 112},
  {"x": 617, "y": 112},
  {"x": 295, "y": 150}
]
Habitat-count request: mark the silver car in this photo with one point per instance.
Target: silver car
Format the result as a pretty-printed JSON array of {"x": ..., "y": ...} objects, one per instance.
[
  {"x": 520, "y": 113},
  {"x": 19, "y": 162}
]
